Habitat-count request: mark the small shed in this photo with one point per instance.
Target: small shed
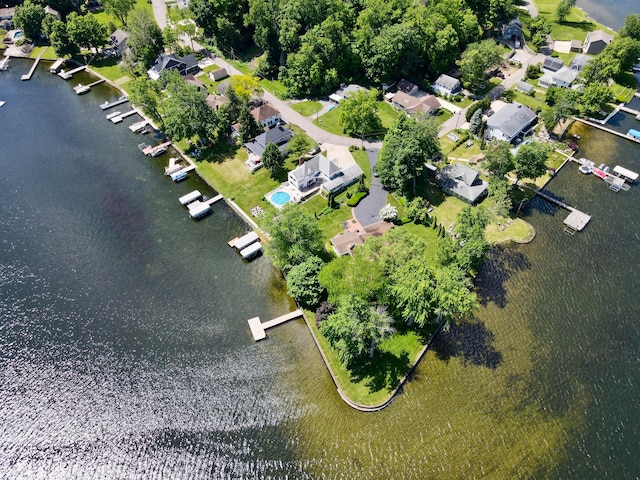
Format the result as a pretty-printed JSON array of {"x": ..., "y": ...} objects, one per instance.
[
  {"x": 219, "y": 74},
  {"x": 525, "y": 87}
]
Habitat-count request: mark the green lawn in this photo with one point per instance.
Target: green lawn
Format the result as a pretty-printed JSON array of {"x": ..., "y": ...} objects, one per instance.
[
  {"x": 105, "y": 18},
  {"x": 371, "y": 381},
  {"x": 307, "y": 107},
  {"x": 535, "y": 103},
  {"x": 330, "y": 121},
  {"x": 361, "y": 158},
  {"x": 387, "y": 114},
  {"x": 509, "y": 230},
  {"x": 49, "y": 54}
]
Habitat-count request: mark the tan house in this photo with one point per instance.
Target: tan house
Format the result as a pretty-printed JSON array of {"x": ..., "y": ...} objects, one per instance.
[
  {"x": 428, "y": 104},
  {"x": 266, "y": 115},
  {"x": 344, "y": 243}
]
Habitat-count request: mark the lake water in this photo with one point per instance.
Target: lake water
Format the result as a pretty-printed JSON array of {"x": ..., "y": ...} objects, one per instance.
[
  {"x": 125, "y": 350},
  {"x": 610, "y": 12}
]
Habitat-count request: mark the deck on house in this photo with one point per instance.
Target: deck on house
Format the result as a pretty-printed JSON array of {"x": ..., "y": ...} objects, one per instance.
[{"x": 258, "y": 329}]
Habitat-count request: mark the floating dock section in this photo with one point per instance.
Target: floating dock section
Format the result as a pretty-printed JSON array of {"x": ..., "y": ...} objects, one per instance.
[
  {"x": 120, "y": 101},
  {"x": 199, "y": 208},
  {"x": 182, "y": 173},
  {"x": 137, "y": 127},
  {"x": 576, "y": 221},
  {"x": 251, "y": 251},
  {"x": 258, "y": 329},
  {"x": 154, "y": 151},
  {"x": 4, "y": 63},
  {"x": 80, "y": 88}
]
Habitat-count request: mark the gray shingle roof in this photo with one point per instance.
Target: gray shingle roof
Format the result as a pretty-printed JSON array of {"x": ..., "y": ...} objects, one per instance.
[
  {"x": 462, "y": 181},
  {"x": 512, "y": 119}
]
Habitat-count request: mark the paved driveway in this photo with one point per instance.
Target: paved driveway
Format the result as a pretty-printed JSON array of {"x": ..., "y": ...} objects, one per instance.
[{"x": 368, "y": 210}]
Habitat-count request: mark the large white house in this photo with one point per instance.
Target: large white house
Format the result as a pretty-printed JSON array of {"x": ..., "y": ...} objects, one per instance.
[
  {"x": 510, "y": 121},
  {"x": 321, "y": 172},
  {"x": 446, "y": 85}
]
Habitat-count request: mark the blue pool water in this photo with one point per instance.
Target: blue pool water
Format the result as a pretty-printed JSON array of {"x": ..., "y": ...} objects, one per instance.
[
  {"x": 17, "y": 34},
  {"x": 280, "y": 198}
]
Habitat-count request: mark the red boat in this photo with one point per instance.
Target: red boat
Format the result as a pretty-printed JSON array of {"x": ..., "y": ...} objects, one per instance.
[{"x": 599, "y": 173}]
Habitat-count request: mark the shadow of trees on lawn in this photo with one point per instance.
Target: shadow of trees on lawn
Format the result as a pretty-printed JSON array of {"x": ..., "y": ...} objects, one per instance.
[
  {"x": 383, "y": 371},
  {"x": 470, "y": 340}
]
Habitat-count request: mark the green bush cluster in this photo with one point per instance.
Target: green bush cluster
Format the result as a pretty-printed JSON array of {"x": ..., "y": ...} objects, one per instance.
[{"x": 355, "y": 198}]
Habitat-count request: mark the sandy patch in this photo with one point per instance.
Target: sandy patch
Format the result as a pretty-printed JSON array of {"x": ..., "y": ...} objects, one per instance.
[{"x": 562, "y": 47}]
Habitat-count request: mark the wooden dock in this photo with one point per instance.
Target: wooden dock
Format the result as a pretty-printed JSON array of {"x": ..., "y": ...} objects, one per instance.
[
  {"x": 4, "y": 63},
  {"x": 258, "y": 329},
  {"x": 27, "y": 76},
  {"x": 576, "y": 221},
  {"x": 71, "y": 73},
  {"x": 120, "y": 101},
  {"x": 602, "y": 127},
  {"x": 213, "y": 200}
]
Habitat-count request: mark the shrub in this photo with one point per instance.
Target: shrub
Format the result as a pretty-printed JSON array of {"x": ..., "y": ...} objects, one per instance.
[
  {"x": 389, "y": 213},
  {"x": 323, "y": 311}
]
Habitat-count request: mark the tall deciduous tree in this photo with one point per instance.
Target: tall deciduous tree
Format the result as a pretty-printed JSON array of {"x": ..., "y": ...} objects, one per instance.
[
  {"x": 246, "y": 87},
  {"x": 273, "y": 159},
  {"x": 119, "y": 9},
  {"x": 295, "y": 236},
  {"x": 631, "y": 27},
  {"x": 595, "y": 98},
  {"x": 249, "y": 128},
  {"x": 476, "y": 60},
  {"x": 28, "y": 17},
  {"x": 187, "y": 113},
  {"x": 408, "y": 144},
  {"x": 499, "y": 159},
  {"x": 413, "y": 291},
  {"x": 453, "y": 296},
  {"x": 564, "y": 8},
  {"x": 359, "y": 113},
  {"x": 145, "y": 37},
  {"x": 302, "y": 281},
  {"x": 60, "y": 41},
  {"x": 531, "y": 160},
  {"x": 147, "y": 95},
  {"x": 85, "y": 31}
]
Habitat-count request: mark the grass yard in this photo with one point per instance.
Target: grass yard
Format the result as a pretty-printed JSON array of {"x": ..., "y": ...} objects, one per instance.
[
  {"x": 509, "y": 230},
  {"x": 371, "y": 381},
  {"x": 275, "y": 87},
  {"x": 535, "y": 103},
  {"x": 387, "y": 114},
  {"x": 49, "y": 54},
  {"x": 109, "y": 68},
  {"x": 330, "y": 121},
  {"x": 307, "y": 107},
  {"x": 105, "y": 18}
]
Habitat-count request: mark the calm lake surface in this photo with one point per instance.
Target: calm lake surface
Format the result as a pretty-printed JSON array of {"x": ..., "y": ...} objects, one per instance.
[
  {"x": 610, "y": 12},
  {"x": 125, "y": 352}
]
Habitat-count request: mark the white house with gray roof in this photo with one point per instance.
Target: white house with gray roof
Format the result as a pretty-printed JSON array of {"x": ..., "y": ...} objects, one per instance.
[
  {"x": 278, "y": 135},
  {"x": 462, "y": 182},
  {"x": 321, "y": 172},
  {"x": 510, "y": 121},
  {"x": 446, "y": 85},
  {"x": 596, "y": 41}
]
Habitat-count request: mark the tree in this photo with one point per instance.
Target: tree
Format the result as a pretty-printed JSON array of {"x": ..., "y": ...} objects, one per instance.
[
  {"x": 222, "y": 20},
  {"x": 86, "y": 31},
  {"x": 359, "y": 113},
  {"x": 28, "y": 17},
  {"x": 273, "y": 159},
  {"x": 393, "y": 249},
  {"x": 147, "y": 95},
  {"x": 631, "y": 27},
  {"x": 453, "y": 296},
  {"x": 170, "y": 39},
  {"x": 476, "y": 122},
  {"x": 186, "y": 111},
  {"x": 353, "y": 275},
  {"x": 499, "y": 202},
  {"x": 540, "y": 28},
  {"x": 302, "y": 281},
  {"x": 481, "y": 105},
  {"x": 476, "y": 60},
  {"x": 355, "y": 328},
  {"x": 418, "y": 210},
  {"x": 595, "y": 98},
  {"x": 145, "y": 37},
  {"x": 408, "y": 144},
  {"x": 389, "y": 213},
  {"x": 413, "y": 286},
  {"x": 499, "y": 159},
  {"x": 60, "y": 41},
  {"x": 531, "y": 160},
  {"x": 564, "y": 8},
  {"x": 249, "y": 127},
  {"x": 295, "y": 236},
  {"x": 246, "y": 87},
  {"x": 119, "y": 9}
]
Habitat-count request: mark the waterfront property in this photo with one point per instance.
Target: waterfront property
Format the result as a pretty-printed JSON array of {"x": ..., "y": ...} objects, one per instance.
[
  {"x": 325, "y": 174},
  {"x": 345, "y": 242},
  {"x": 462, "y": 182},
  {"x": 595, "y": 42},
  {"x": 278, "y": 135},
  {"x": 184, "y": 65},
  {"x": 258, "y": 329},
  {"x": 510, "y": 121}
]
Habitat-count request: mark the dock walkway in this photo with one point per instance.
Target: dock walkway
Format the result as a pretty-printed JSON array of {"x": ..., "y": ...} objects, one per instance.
[
  {"x": 27, "y": 76},
  {"x": 120, "y": 101},
  {"x": 602, "y": 127},
  {"x": 122, "y": 116},
  {"x": 258, "y": 329},
  {"x": 71, "y": 73},
  {"x": 575, "y": 221}
]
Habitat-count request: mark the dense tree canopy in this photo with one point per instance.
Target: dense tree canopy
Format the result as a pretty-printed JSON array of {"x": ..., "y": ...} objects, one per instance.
[
  {"x": 476, "y": 60},
  {"x": 498, "y": 158},
  {"x": 359, "y": 113},
  {"x": 28, "y": 17},
  {"x": 302, "y": 281},
  {"x": 408, "y": 144},
  {"x": 85, "y": 31},
  {"x": 273, "y": 159},
  {"x": 631, "y": 27},
  {"x": 295, "y": 236},
  {"x": 119, "y": 8},
  {"x": 531, "y": 160},
  {"x": 145, "y": 37}
]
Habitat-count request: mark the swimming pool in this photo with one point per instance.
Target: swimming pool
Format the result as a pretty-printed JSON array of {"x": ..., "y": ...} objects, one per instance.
[
  {"x": 17, "y": 34},
  {"x": 280, "y": 198}
]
